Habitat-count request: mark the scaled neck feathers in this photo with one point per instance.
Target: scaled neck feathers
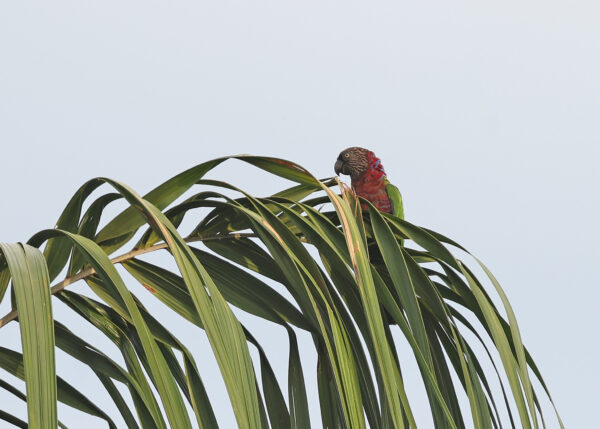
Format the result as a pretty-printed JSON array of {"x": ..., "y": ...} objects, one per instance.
[
  {"x": 372, "y": 183},
  {"x": 373, "y": 175}
]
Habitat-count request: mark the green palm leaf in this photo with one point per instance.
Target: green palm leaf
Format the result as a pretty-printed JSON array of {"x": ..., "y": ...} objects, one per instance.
[{"x": 32, "y": 291}]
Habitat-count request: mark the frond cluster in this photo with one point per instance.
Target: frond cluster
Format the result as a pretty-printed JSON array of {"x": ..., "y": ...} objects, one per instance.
[{"x": 355, "y": 280}]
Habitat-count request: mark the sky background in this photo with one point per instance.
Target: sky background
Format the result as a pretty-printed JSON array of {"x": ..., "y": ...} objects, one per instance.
[{"x": 485, "y": 114}]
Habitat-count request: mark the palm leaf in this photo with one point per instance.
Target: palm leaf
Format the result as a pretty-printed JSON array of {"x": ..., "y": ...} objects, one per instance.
[{"x": 32, "y": 291}]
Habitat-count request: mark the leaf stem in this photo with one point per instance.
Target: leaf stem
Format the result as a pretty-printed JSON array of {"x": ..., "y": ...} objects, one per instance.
[{"x": 9, "y": 317}]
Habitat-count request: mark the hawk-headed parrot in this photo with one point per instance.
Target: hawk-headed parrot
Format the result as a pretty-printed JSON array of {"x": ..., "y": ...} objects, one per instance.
[{"x": 369, "y": 179}]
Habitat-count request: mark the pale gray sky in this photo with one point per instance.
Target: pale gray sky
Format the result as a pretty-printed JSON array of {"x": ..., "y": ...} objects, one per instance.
[{"x": 485, "y": 114}]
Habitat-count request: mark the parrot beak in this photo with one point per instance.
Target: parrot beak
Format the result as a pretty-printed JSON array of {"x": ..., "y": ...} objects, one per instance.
[{"x": 338, "y": 167}]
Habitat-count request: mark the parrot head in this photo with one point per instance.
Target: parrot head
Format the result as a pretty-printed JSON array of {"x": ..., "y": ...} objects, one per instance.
[{"x": 353, "y": 162}]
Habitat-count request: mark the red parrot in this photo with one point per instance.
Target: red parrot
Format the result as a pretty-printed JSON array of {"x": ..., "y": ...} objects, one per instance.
[{"x": 369, "y": 180}]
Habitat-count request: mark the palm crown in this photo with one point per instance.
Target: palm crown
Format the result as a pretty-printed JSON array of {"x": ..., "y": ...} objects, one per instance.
[{"x": 362, "y": 285}]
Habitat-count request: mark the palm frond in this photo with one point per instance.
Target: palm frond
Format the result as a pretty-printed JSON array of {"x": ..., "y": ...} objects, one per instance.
[{"x": 350, "y": 278}]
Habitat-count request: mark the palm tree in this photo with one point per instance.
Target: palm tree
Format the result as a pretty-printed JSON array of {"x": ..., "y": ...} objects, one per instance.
[{"x": 354, "y": 279}]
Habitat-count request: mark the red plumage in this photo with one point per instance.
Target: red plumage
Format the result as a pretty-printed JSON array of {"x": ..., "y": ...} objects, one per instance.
[{"x": 371, "y": 184}]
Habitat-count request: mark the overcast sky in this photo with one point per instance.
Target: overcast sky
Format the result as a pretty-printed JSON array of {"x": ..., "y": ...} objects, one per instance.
[{"x": 485, "y": 114}]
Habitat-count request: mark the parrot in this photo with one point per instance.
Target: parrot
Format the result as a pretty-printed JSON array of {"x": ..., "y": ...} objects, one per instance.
[{"x": 369, "y": 180}]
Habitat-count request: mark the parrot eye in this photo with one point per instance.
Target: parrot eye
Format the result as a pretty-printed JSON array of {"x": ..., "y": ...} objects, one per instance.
[{"x": 347, "y": 155}]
